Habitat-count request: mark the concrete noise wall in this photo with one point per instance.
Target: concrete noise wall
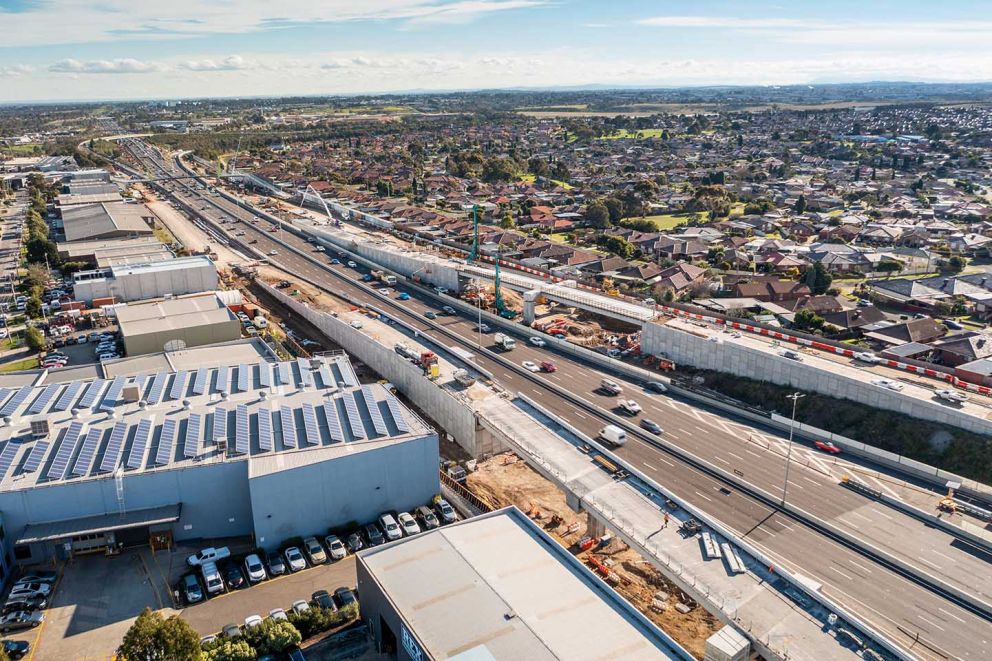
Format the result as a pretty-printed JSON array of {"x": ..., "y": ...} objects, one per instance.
[{"x": 745, "y": 361}]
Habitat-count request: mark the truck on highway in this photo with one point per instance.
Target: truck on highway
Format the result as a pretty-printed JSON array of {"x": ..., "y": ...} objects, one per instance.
[
  {"x": 504, "y": 342},
  {"x": 384, "y": 278},
  {"x": 613, "y": 435}
]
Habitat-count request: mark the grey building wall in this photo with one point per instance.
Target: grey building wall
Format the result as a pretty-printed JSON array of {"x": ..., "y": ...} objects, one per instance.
[
  {"x": 379, "y": 615},
  {"x": 149, "y": 284},
  {"x": 193, "y": 336},
  {"x": 309, "y": 499}
]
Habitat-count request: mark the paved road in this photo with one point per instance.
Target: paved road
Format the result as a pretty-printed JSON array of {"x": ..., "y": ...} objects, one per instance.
[{"x": 891, "y": 602}]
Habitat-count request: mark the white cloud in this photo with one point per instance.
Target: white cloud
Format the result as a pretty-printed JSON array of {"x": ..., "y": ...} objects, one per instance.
[
  {"x": 123, "y": 65},
  {"x": 15, "y": 70},
  {"x": 231, "y": 63}
]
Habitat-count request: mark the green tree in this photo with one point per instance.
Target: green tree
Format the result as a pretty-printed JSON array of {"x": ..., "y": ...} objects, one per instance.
[
  {"x": 597, "y": 215},
  {"x": 152, "y": 638},
  {"x": 615, "y": 208},
  {"x": 273, "y": 637},
  {"x": 34, "y": 339},
  {"x": 818, "y": 279},
  {"x": 619, "y": 246},
  {"x": 956, "y": 264},
  {"x": 538, "y": 166},
  {"x": 33, "y": 307},
  {"x": 808, "y": 320},
  {"x": 230, "y": 650},
  {"x": 889, "y": 266},
  {"x": 800, "y": 205},
  {"x": 507, "y": 221}
]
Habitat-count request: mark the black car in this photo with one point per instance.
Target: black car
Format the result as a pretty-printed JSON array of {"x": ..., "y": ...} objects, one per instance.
[
  {"x": 651, "y": 426},
  {"x": 277, "y": 566},
  {"x": 323, "y": 599},
  {"x": 233, "y": 576},
  {"x": 25, "y": 604},
  {"x": 355, "y": 542},
  {"x": 656, "y": 386},
  {"x": 373, "y": 535},
  {"x": 16, "y": 649},
  {"x": 345, "y": 597}
]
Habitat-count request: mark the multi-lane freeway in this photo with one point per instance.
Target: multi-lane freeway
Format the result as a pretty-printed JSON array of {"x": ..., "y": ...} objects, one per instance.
[{"x": 910, "y": 613}]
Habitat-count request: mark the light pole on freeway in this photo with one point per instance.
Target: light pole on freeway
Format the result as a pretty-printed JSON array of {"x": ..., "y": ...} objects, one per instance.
[{"x": 795, "y": 397}]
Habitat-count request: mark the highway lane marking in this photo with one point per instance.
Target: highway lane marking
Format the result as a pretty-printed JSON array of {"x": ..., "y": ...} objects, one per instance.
[
  {"x": 847, "y": 576},
  {"x": 646, "y": 464},
  {"x": 930, "y": 622},
  {"x": 663, "y": 460},
  {"x": 951, "y": 615},
  {"x": 943, "y": 555},
  {"x": 862, "y": 516},
  {"x": 703, "y": 496},
  {"x": 752, "y": 453},
  {"x": 848, "y": 523},
  {"x": 881, "y": 513},
  {"x": 580, "y": 415},
  {"x": 860, "y": 566},
  {"x": 736, "y": 456},
  {"x": 925, "y": 561},
  {"x": 718, "y": 458},
  {"x": 813, "y": 482}
]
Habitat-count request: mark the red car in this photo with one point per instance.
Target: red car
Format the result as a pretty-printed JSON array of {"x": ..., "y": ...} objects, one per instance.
[
  {"x": 826, "y": 446},
  {"x": 548, "y": 366}
]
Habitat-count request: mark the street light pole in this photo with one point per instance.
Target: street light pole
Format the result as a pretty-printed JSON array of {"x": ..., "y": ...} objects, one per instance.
[{"x": 795, "y": 397}]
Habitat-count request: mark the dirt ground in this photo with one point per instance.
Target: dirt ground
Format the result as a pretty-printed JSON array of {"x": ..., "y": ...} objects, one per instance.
[{"x": 506, "y": 480}]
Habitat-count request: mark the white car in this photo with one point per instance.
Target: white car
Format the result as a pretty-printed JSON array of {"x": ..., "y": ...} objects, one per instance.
[
  {"x": 630, "y": 406},
  {"x": 867, "y": 357},
  {"x": 537, "y": 341},
  {"x": 335, "y": 547},
  {"x": 295, "y": 559},
  {"x": 254, "y": 568},
  {"x": 300, "y": 606},
  {"x": 273, "y": 252},
  {"x": 278, "y": 614},
  {"x": 952, "y": 396},
  {"x": 409, "y": 524},
  {"x": 253, "y": 621},
  {"x": 357, "y": 323},
  {"x": 887, "y": 383},
  {"x": 531, "y": 366},
  {"x": 791, "y": 355},
  {"x": 384, "y": 291}
]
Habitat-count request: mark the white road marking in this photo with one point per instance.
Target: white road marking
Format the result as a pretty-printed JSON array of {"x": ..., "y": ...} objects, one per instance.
[
  {"x": 580, "y": 415},
  {"x": 848, "y": 523},
  {"x": 664, "y": 461},
  {"x": 813, "y": 482},
  {"x": 950, "y": 615},
  {"x": 847, "y": 576},
  {"x": 860, "y": 566},
  {"x": 862, "y": 516},
  {"x": 943, "y": 555},
  {"x": 736, "y": 456},
  {"x": 722, "y": 459},
  {"x": 646, "y": 464},
  {"x": 930, "y": 622},
  {"x": 703, "y": 496},
  {"x": 925, "y": 561},
  {"x": 754, "y": 454}
]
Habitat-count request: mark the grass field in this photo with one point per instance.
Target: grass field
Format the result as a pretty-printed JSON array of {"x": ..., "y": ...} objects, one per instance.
[
  {"x": 528, "y": 178},
  {"x": 18, "y": 365},
  {"x": 668, "y": 221},
  {"x": 637, "y": 135},
  {"x": 20, "y": 150}
]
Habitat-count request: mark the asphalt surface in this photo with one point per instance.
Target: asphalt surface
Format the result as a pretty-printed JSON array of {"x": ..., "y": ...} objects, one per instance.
[{"x": 910, "y": 614}]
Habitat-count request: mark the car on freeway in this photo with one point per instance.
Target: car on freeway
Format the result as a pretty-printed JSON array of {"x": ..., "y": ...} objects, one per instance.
[
  {"x": 887, "y": 383},
  {"x": 448, "y": 310},
  {"x": 826, "y": 446},
  {"x": 253, "y": 621},
  {"x": 352, "y": 264},
  {"x": 791, "y": 355},
  {"x": 315, "y": 552},
  {"x": 951, "y": 396},
  {"x": 367, "y": 277},
  {"x": 354, "y": 542},
  {"x": 233, "y": 577},
  {"x": 484, "y": 328},
  {"x": 191, "y": 589},
  {"x": 651, "y": 426},
  {"x": 335, "y": 260},
  {"x": 656, "y": 386},
  {"x": 294, "y": 559},
  {"x": 254, "y": 568},
  {"x": 335, "y": 547},
  {"x": 403, "y": 296},
  {"x": 408, "y": 523},
  {"x": 300, "y": 606},
  {"x": 21, "y": 620},
  {"x": 430, "y": 314},
  {"x": 278, "y": 614},
  {"x": 531, "y": 366},
  {"x": 273, "y": 252},
  {"x": 548, "y": 366},
  {"x": 323, "y": 599},
  {"x": 345, "y": 597},
  {"x": 384, "y": 291},
  {"x": 629, "y": 406},
  {"x": 537, "y": 341},
  {"x": 356, "y": 324},
  {"x": 16, "y": 649},
  {"x": 444, "y": 511},
  {"x": 611, "y": 387},
  {"x": 867, "y": 357}
]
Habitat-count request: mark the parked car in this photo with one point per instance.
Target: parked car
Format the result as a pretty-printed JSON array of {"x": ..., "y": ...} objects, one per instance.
[
  {"x": 651, "y": 426},
  {"x": 254, "y": 568},
  {"x": 233, "y": 576},
  {"x": 295, "y": 559},
  {"x": 954, "y": 396},
  {"x": 390, "y": 527},
  {"x": 354, "y": 542},
  {"x": 231, "y": 631},
  {"x": 16, "y": 649},
  {"x": 300, "y": 606},
  {"x": 887, "y": 383},
  {"x": 953, "y": 325},
  {"x": 278, "y": 614},
  {"x": 826, "y": 446},
  {"x": 426, "y": 518},
  {"x": 373, "y": 535},
  {"x": 21, "y": 620},
  {"x": 408, "y": 524},
  {"x": 335, "y": 547},
  {"x": 315, "y": 552},
  {"x": 210, "y": 554},
  {"x": 25, "y": 604},
  {"x": 31, "y": 589},
  {"x": 253, "y": 621},
  {"x": 867, "y": 357},
  {"x": 344, "y": 597},
  {"x": 191, "y": 589},
  {"x": 322, "y": 598},
  {"x": 444, "y": 511}
]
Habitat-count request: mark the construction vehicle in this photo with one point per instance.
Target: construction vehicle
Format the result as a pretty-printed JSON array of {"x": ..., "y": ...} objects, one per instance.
[
  {"x": 405, "y": 351},
  {"x": 504, "y": 342},
  {"x": 384, "y": 278},
  {"x": 428, "y": 361}
]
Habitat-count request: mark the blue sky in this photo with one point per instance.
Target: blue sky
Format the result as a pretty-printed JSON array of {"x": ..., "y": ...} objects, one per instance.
[{"x": 120, "y": 49}]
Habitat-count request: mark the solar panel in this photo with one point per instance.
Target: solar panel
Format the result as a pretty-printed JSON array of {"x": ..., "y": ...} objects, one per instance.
[
  {"x": 7, "y": 457},
  {"x": 241, "y": 429},
  {"x": 347, "y": 374},
  {"x": 15, "y": 401},
  {"x": 113, "y": 393},
  {"x": 86, "y": 451},
  {"x": 36, "y": 456},
  {"x": 69, "y": 394},
  {"x": 158, "y": 385},
  {"x": 191, "y": 445},
  {"x": 113, "y": 452},
  {"x": 220, "y": 425},
  {"x": 310, "y": 425},
  {"x": 200, "y": 382},
  {"x": 264, "y": 429},
  {"x": 306, "y": 374},
  {"x": 265, "y": 374},
  {"x": 354, "y": 417},
  {"x": 46, "y": 396},
  {"x": 377, "y": 421},
  {"x": 165, "y": 441},
  {"x": 137, "y": 454},
  {"x": 285, "y": 374},
  {"x": 141, "y": 381},
  {"x": 288, "y": 427},
  {"x": 333, "y": 422},
  {"x": 223, "y": 382},
  {"x": 92, "y": 393},
  {"x": 69, "y": 442},
  {"x": 326, "y": 377},
  {"x": 4, "y": 392},
  {"x": 396, "y": 410},
  {"x": 179, "y": 385},
  {"x": 244, "y": 377}
]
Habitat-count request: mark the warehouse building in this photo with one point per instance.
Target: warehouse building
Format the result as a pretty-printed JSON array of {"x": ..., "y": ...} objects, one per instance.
[
  {"x": 264, "y": 449},
  {"x": 105, "y": 220},
  {"x": 192, "y": 320},
  {"x": 140, "y": 282},
  {"x": 92, "y": 251},
  {"x": 498, "y": 587}
]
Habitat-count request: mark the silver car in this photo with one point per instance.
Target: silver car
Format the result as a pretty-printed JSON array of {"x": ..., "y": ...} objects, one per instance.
[
  {"x": 254, "y": 568},
  {"x": 295, "y": 559},
  {"x": 335, "y": 547}
]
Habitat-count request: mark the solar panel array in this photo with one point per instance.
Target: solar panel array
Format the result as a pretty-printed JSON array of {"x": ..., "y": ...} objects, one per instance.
[
  {"x": 241, "y": 438},
  {"x": 288, "y": 427},
  {"x": 179, "y": 385},
  {"x": 141, "y": 437},
  {"x": 86, "y": 451},
  {"x": 220, "y": 424},
  {"x": 92, "y": 393},
  {"x": 326, "y": 378},
  {"x": 264, "y": 429},
  {"x": 65, "y": 399},
  {"x": 377, "y": 421},
  {"x": 191, "y": 443},
  {"x": 333, "y": 422},
  {"x": 166, "y": 440},
  {"x": 306, "y": 374},
  {"x": 285, "y": 374},
  {"x": 265, "y": 374},
  {"x": 347, "y": 374},
  {"x": 200, "y": 382},
  {"x": 4, "y": 392},
  {"x": 113, "y": 393},
  {"x": 7, "y": 457},
  {"x": 39, "y": 404},
  {"x": 69, "y": 442},
  {"x": 396, "y": 410},
  {"x": 15, "y": 401},
  {"x": 244, "y": 377},
  {"x": 36, "y": 456},
  {"x": 354, "y": 417},
  {"x": 311, "y": 428},
  {"x": 113, "y": 452},
  {"x": 223, "y": 382},
  {"x": 158, "y": 385}
]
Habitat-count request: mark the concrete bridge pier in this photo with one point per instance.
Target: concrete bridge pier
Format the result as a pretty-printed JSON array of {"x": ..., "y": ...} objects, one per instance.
[{"x": 530, "y": 301}]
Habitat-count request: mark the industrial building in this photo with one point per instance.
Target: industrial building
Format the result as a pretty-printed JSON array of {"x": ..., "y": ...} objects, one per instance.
[
  {"x": 497, "y": 587},
  {"x": 257, "y": 448},
  {"x": 139, "y": 282},
  {"x": 96, "y": 252},
  {"x": 192, "y": 320},
  {"x": 104, "y": 220}
]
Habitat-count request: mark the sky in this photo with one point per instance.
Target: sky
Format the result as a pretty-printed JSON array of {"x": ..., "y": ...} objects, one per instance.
[{"x": 136, "y": 49}]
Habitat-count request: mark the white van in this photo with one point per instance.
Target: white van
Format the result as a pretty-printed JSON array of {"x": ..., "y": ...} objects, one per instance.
[
  {"x": 613, "y": 435},
  {"x": 211, "y": 577}
]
